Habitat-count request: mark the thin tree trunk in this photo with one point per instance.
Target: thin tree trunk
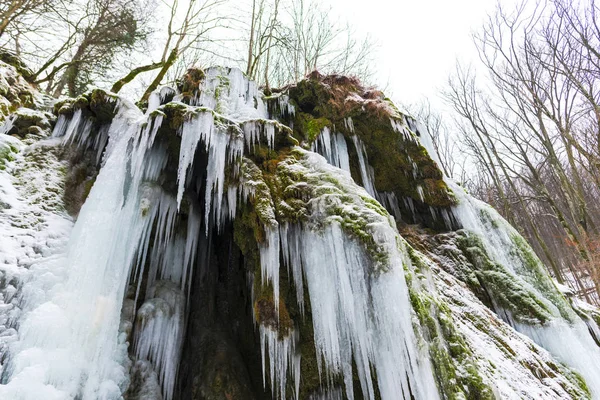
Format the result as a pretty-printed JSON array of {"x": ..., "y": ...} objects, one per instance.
[
  {"x": 132, "y": 74},
  {"x": 161, "y": 74},
  {"x": 251, "y": 44},
  {"x": 271, "y": 28}
]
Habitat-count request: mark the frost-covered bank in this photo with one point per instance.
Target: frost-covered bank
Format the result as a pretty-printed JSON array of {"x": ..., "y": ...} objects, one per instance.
[{"x": 298, "y": 245}]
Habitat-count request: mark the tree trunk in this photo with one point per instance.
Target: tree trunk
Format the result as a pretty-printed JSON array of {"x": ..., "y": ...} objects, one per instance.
[
  {"x": 251, "y": 43},
  {"x": 131, "y": 75},
  {"x": 161, "y": 74}
]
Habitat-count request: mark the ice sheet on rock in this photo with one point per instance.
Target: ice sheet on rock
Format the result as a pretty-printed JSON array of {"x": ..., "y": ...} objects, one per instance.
[
  {"x": 229, "y": 92},
  {"x": 33, "y": 234},
  {"x": 145, "y": 380},
  {"x": 508, "y": 378},
  {"x": 570, "y": 342},
  {"x": 425, "y": 138},
  {"x": 158, "y": 97}
]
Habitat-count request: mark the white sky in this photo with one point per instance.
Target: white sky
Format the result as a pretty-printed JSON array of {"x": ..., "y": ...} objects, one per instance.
[{"x": 419, "y": 40}]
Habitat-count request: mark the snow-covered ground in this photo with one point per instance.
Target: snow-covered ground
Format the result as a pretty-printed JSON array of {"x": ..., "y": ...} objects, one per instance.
[{"x": 34, "y": 229}]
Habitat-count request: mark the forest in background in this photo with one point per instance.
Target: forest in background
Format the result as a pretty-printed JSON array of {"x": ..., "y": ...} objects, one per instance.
[
  {"x": 525, "y": 131},
  {"x": 523, "y": 134},
  {"x": 74, "y": 44}
]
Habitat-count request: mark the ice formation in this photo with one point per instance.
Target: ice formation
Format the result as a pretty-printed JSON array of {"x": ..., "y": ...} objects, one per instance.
[{"x": 101, "y": 308}]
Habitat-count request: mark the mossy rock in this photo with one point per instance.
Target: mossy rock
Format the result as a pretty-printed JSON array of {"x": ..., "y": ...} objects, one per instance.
[
  {"x": 454, "y": 366},
  {"x": 64, "y": 107},
  {"x": 274, "y": 317},
  {"x": 505, "y": 290},
  {"x": 401, "y": 165},
  {"x": 27, "y": 121},
  {"x": 8, "y": 152},
  {"x": 189, "y": 83},
  {"x": 103, "y": 105},
  {"x": 79, "y": 180},
  {"x": 14, "y": 60}
]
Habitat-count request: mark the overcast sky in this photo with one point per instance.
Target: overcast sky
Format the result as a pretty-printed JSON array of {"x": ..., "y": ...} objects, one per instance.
[{"x": 419, "y": 40}]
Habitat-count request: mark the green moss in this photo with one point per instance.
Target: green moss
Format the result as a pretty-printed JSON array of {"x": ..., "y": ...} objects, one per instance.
[
  {"x": 7, "y": 154},
  {"x": 308, "y": 127},
  {"x": 536, "y": 274},
  {"x": 454, "y": 367},
  {"x": 293, "y": 185},
  {"x": 64, "y": 107},
  {"x": 504, "y": 288}
]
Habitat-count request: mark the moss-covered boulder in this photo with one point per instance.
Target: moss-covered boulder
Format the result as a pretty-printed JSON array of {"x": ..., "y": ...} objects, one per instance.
[
  {"x": 26, "y": 121},
  {"x": 13, "y": 60},
  {"x": 15, "y": 90}
]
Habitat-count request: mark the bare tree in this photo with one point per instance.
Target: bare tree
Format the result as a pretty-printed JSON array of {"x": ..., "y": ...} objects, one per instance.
[
  {"x": 443, "y": 143},
  {"x": 12, "y": 11},
  {"x": 183, "y": 33},
  {"x": 535, "y": 133}
]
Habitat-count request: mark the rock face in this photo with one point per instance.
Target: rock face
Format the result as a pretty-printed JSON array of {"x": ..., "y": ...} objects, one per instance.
[{"x": 233, "y": 245}]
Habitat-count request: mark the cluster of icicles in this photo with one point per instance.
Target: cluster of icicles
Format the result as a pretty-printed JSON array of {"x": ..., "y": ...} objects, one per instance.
[
  {"x": 73, "y": 344},
  {"x": 333, "y": 146}
]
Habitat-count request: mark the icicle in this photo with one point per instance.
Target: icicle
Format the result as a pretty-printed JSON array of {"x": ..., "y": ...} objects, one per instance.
[
  {"x": 333, "y": 148},
  {"x": 255, "y": 130},
  {"x": 421, "y": 193},
  {"x": 292, "y": 259},
  {"x": 322, "y": 144},
  {"x": 333, "y": 394},
  {"x": 285, "y": 106},
  {"x": 284, "y": 359},
  {"x": 269, "y": 261},
  {"x": 201, "y": 125},
  {"x": 361, "y": 316},
  {"x": 222, "y": 148},
  {"x": 366, "y": 171},
  {"x": 159, "y": 332},
  {"x": 349, "y": 124},
  {"x": 7, "y": 125},
  {"x": 361, "y": 312},
  {"x": 390, "y": 202}
]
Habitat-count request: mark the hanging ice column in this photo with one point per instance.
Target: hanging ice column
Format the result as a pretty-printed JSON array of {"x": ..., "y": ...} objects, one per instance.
[
  {"x": 69, "y": 345},
  {"x": 333, "y": 147},
  {"x": 359, "y": 300}
]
